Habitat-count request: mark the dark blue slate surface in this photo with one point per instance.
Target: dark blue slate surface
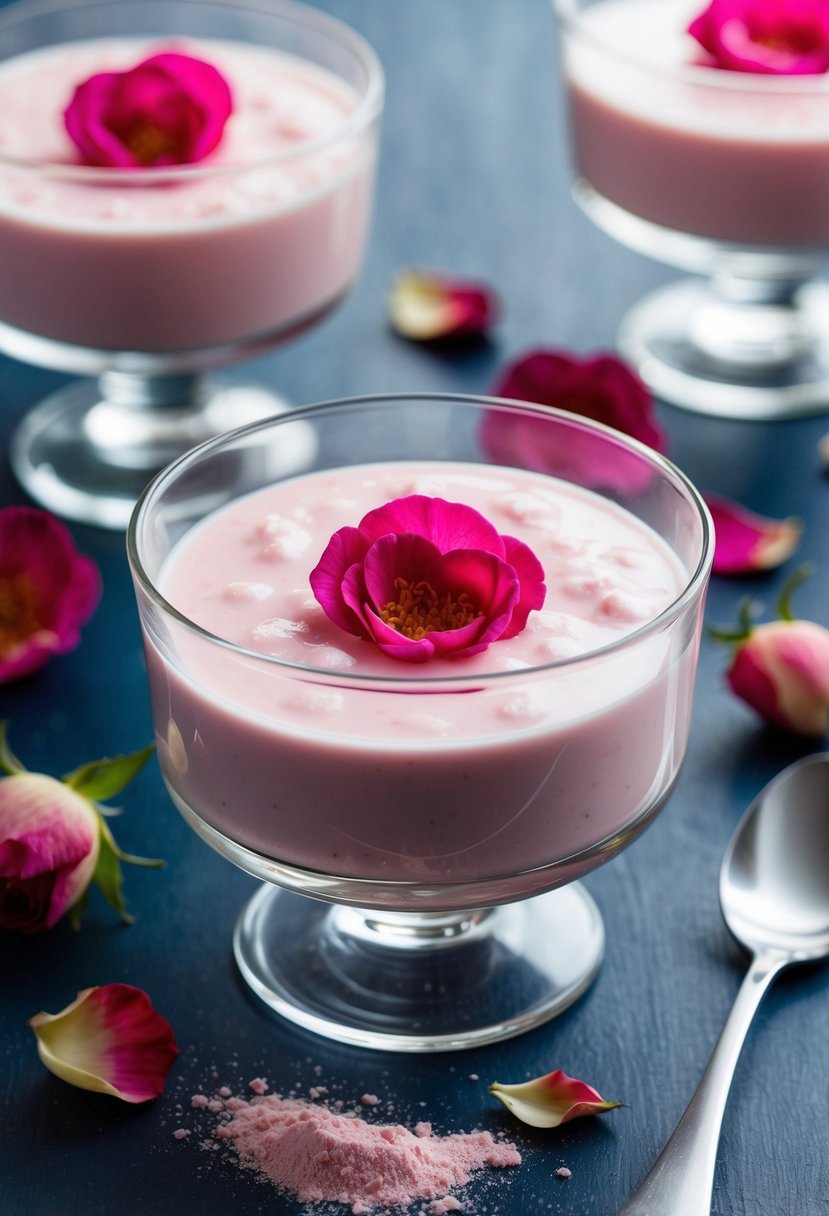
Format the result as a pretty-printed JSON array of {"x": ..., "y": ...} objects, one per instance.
[{"x": 473, "y": 180}]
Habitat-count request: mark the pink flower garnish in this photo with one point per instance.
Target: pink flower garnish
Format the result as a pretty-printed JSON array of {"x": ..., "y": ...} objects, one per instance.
[
  {"x": 425, "y": 306},
  {"x": 170, "y": 109},
  {"x": 54, "y": 841},
  {"x": 110, "y": 1040},
  {"x": 746, "y": 542},
  {"x": 598, "y": 387},
  {"x": 781, "y": 668},
  {"x": 47, "y": 590},
  {"x": 772, "y": 37},
  {"x": 551, "y": 1100},
  {"x": 421, "y": 577}
]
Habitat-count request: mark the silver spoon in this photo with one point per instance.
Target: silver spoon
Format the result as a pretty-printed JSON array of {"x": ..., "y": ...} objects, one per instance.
[{"x": 774, "y": 893}]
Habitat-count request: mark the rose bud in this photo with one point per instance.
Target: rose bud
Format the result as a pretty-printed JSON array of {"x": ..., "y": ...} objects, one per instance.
[
  {"x": 551, "y": 1100},
  {"x": 55, "y": 842},
  {"x": 110, "y": 1040},
  {"x": 781, "y": 668}
]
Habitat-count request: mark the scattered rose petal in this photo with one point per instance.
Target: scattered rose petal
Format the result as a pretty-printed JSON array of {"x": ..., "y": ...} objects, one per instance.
[
  {"x": 47, "y": 590},
  {"x": 771, "y": 37},
  {"x": 563, "y": 1172},
  {"x": 425, "y": 306},
  {"x": 421, "y": 577},
  {"x": 54, "y": 841},
  {"x": 170, "y": 109},
  {"x": 551, "y": 1100},
  {"x": 781, "y": 668},
  {"x": 746, "y": 542},
  {"x": 599, "y": 387},
  {"x": 109, "y": 1040}
]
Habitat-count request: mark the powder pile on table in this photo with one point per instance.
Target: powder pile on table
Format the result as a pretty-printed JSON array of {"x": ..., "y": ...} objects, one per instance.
[{"x": 321, "y": 1156}]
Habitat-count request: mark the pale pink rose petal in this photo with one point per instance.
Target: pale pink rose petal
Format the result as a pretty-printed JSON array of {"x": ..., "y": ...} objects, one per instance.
[
  {"x": 109, "y": 1040},
  {"x": 551, "y": 1100},
  {"x": 747, "y": 542},
  {"x": 425, "y": 306}
]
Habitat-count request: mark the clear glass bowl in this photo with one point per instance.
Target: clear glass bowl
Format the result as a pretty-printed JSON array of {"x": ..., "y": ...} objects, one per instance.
[
  {"x": 720, "y": 173},
  {"x": 442, "y": 865},
  {"x": 148, "y": 278}
]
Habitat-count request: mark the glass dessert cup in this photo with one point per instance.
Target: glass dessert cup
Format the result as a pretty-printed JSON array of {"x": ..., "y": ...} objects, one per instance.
[
  {"x": 420, "y": 870},
  {"x": 150, "y": 278},
  {"x": 721, "y": 174}
]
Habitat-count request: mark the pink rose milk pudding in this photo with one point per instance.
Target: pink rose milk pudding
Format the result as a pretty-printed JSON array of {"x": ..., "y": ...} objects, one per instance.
[
  {"x": 265, "y": 233},
  {"x": 732, "y": 156},
  {"x": 508, "y": 760}
]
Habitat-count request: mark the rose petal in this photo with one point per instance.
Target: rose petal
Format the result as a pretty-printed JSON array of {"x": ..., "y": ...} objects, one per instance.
[
  {"x": 110, "y": 1040},
  {"x": 777, "y": 37},
  {"x": 746, "y": 542},
  {"x": 47, "y": 590},
  {"x": 551, "y": 1100},
  {"x": 425, "y": 306}
]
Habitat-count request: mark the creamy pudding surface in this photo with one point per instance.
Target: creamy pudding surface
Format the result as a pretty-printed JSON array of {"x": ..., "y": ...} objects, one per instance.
[
  {"x": 732, "y": 156},
  {"x": 371, "y": 767},
  {"x": 267, "y": 231}
]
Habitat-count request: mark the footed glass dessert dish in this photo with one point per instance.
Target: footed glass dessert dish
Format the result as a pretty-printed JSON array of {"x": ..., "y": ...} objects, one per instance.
[
  {"x": 364, "y": 695},
  {"x": 720, "y": 173},
  {"x": 148, "y": 274}
]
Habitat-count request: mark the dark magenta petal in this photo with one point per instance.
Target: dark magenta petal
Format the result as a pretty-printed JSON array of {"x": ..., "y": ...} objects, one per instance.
[
  {"x": 771, "y": 37},
  {"x": 746, "y": 542},
  {"x": 405, "y": 556},
  {"x": 346, "y": 548},
  {"x": 530, "y": 577},
  {"x": 448, "y": 525},
  {"x": 50, "y": 588}
]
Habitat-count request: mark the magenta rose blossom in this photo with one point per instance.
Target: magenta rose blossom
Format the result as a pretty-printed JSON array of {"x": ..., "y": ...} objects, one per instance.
[
  {"x": 422, "y": 578},
  {"x": 772, "y": 37},
  {"x": 170, "y": 109},
  {"x": 47, "y": 590},
  {"x": 598, "y": 387}
]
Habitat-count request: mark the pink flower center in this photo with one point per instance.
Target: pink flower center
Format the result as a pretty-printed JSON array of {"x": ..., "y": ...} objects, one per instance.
[
  {"x": 19, "y": 611},
  {"x": 419, "y": 610},
  {"x": 148, "y": 142}
]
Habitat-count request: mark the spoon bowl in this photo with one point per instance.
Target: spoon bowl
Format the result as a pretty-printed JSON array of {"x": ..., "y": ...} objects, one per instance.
[
  {"x": 774, "y": 879},
  {"x": 774, "y": 895}
]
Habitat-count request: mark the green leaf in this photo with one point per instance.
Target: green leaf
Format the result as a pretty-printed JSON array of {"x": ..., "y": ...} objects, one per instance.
[
  {"x": 102, "y": 779},
  {"x": 108, "y": 877},
  {"x": 9, "y": 763},
  {"x": 747, "y": 610}
]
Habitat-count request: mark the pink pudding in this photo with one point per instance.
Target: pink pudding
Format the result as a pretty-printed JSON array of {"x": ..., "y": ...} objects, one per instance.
[
  {"x": 312, "y": 747},
  {"x": 732, "y": 156},
  {"x": 263, "y": 236}
]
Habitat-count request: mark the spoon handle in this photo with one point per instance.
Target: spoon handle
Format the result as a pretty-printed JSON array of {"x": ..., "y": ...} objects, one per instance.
[{"x": 682, "y": 1179}]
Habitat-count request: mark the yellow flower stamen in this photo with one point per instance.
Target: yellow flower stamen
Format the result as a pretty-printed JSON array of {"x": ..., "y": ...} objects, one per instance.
[
  {"x": 419, "y": 610},
  {"x": 147, "y": 142}
]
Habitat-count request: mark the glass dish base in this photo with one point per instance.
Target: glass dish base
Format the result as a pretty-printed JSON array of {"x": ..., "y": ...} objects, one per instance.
[
  {"x": 671, "y": 338},
  {"x": 419, "y": 982},
  {"x": 88, "y": 451}
]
